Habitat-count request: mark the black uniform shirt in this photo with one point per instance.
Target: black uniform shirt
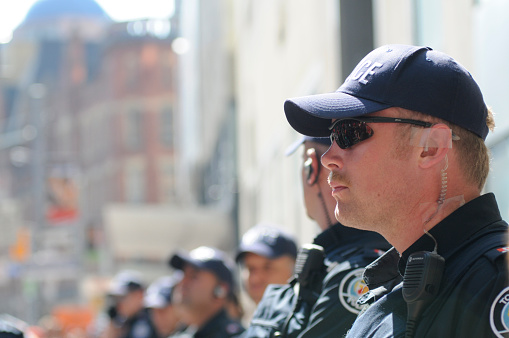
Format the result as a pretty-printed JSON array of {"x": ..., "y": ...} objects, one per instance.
[
  {"x": 347, "y": 252},
  {"x": 139, "y": 326},
  {"x": 473, "y": 292},
  {"x": 219, "y": 326}
]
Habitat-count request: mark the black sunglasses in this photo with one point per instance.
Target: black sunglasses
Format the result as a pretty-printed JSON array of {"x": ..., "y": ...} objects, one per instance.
[{"x": 348, "y": 132}]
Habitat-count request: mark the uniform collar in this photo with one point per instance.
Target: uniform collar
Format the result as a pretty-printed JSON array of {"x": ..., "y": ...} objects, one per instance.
[
  {"x": 457, "y": 229},
  {"x": 451, "y": 235},
  {"x": 209, "y": 326},
  {"x": 382, "y": 271}
]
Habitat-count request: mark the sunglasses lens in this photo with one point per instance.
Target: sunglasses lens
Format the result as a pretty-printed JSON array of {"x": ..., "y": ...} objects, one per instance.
[{"x": 348, "y": 133}]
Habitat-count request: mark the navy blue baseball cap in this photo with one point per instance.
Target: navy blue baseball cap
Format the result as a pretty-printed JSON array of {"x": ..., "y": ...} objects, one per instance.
[
  {"x": 9, "y": 330},
  {"x": 411, "y": 77},
  {"x": 159, "y": 293},
  {"x": 206, "y": 258},
  {"x": 267, "y": 240},
  {"x": 124, "y": 282},
  {"x": 294, "y": 146}
]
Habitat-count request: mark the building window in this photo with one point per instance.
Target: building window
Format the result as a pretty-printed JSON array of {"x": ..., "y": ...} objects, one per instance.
[
  {"x": 168, "y": 64},
  {"x": 134, "y": 130},
  {"x": 131, "y": 70},
  {"x": 135, "y": 186},
  {"x": 167, "y": 186},
  {"x": 166, "y": 127}
]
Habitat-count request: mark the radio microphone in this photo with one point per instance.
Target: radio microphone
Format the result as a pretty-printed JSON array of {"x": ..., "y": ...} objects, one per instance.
[{"x": 421, "y": 284}]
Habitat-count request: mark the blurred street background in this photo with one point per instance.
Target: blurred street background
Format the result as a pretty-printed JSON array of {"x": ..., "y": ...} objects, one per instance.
[{"x": 122, "y": 140}]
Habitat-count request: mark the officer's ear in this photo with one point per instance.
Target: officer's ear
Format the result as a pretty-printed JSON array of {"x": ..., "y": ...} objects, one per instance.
[
  {"x": 220, "y": 291},
  {"x": 312, "y": 166},
  {"x": 435, "y": 145}
]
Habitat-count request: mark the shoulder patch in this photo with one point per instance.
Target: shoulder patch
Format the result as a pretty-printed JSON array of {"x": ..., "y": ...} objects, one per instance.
[
  {"x": 233, "y": 328},
  {"x": 141, "y": 329},
  {"x": 499, "y": 314},
  {"x": 352, "y": 286},
  {"x": 493, "y": 254}
]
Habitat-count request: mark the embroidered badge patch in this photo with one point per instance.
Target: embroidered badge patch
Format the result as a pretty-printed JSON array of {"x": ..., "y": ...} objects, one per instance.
[
  {"x": 499, "y": 314},
  {"x": 351, "y": 288},
  {"x": 232, "y": 328},
  {"x": 141, "y": 329}
]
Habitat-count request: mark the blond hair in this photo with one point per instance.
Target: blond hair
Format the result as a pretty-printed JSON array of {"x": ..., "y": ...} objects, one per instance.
[{"x": 472, "y": 153}]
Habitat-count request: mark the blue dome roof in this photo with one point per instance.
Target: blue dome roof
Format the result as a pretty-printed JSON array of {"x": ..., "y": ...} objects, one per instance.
[{"x": 50, "y": 9}]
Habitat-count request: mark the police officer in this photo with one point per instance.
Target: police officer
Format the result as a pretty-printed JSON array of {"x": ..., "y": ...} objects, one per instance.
[
  {"x": 128, "y": 317},
  {"x": 158, "y": 299},
  {"x": 10, "y": 330},
  {"x": 205, "y": 292},
  {"x": 321, "y": 300},
  {"x": 409, "y": 161},
  {"x": 267, "y": 256}
]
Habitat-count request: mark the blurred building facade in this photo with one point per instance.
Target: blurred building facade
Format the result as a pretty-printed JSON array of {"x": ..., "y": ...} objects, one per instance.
[
  {"x": 94, "y": 118},
  {"x": 53, "y": 57}
]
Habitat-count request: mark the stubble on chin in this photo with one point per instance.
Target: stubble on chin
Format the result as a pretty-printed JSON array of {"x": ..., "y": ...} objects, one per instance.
[
  {"x": 344, "y": 213},
  {"x": 353, "y": 213}
]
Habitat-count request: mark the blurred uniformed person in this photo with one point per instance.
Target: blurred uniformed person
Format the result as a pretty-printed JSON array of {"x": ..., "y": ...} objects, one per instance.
[
  {"x": 8, "y": 329},
  {"x": 267, "y": 256},
  {"x": 158, "y": 300},
  {"x": 321, "y": 300},
  {"x": 128, "y": 316},
  {"x": 205, "y": 292}
]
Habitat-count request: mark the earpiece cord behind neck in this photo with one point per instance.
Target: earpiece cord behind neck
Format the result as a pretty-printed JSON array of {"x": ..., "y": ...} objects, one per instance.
[
  {"x": 441, "y": 197},
  {"x": 324, "y": 206}
]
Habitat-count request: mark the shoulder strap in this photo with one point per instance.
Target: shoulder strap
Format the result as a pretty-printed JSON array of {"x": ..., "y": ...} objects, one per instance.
[
  {"x": 489, "y": 241},
  {"x": 484, "y": 244}
]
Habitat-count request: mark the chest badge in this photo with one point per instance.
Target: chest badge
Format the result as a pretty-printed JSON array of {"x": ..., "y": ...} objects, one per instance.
[
  {"x": 499, "y": 314},
  {"x": 352, "y": 286}
]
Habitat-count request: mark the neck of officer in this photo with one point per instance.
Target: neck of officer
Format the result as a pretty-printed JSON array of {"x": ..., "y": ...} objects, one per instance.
[
  {"x": 425, "y": 212},
  {"x": 201, "y": 316}
]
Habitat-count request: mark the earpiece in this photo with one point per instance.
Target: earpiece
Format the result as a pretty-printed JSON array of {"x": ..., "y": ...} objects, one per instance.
[
  {"x": 219, "y": 291},
  {"x": 308, "y": 168}
]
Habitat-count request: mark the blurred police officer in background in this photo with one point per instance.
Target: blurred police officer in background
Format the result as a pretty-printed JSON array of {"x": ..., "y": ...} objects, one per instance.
[
  {"x": 205, "y": 292},
  {"x": 8, "y": 329},
  {"x": 128, "y": 316},
  {"x": 267, "y": 256},
  {"x": 158, "y": 299},
  {"x": 321, "y": 300}
]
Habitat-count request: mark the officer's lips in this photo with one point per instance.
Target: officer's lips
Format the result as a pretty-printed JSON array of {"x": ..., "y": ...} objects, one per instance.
[
  {"x": 336, "y": 188},
  {"x": 335, "y": 182}
]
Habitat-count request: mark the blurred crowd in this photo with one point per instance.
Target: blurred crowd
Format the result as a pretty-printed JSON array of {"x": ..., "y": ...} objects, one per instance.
[
  {"x": 206, "y": 292},
  {"x": 268, "y": 285},
  {"x": 200, "y": 297}
]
